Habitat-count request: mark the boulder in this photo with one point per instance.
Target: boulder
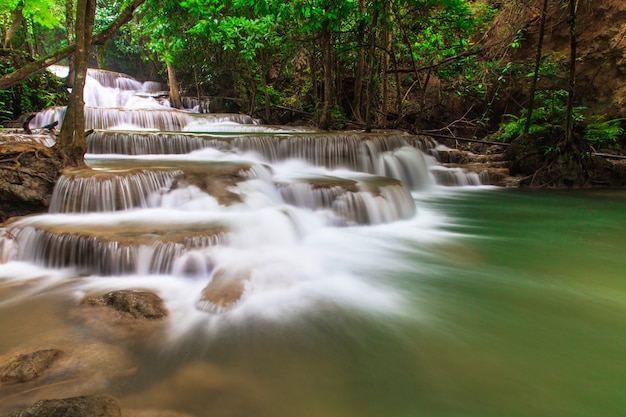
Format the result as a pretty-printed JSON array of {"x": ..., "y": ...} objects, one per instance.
[
  {"x": 28, "y": 366},
  {"x": 131, "y": 304},
  {"x": 88, "y": 406},
  {"x": 28, "y": 172}
]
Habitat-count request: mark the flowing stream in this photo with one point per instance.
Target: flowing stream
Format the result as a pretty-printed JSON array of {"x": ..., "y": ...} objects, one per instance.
[{"x": 365, "y": 288}]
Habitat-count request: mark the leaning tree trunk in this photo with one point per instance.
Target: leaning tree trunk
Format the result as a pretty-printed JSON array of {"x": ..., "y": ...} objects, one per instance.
[{"x": 72, "y": 142}]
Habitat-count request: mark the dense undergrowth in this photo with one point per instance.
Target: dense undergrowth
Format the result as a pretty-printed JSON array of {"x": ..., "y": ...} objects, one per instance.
[{"x": 36, "y": 93}]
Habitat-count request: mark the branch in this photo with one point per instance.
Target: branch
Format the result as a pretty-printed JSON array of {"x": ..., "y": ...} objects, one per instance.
[
  {"x": 435, "y": 135},
  {"x": 444, "y": 61},
  {"x": 124, "y": 17},
  {"x": 26, "y": 71}
]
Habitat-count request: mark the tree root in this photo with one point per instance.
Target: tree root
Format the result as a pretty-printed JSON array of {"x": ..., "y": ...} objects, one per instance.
[
  {"x": 16, "y": 161},
  {"x": 11, "y": 161}
]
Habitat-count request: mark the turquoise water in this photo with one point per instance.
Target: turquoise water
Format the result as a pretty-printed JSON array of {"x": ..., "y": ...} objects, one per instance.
[
  {"x": 531, "y": 323},
  {"x": 512, "y": 303},
  {"x": 517, "y": 309}
]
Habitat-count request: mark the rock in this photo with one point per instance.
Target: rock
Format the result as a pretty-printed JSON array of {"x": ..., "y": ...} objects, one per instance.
[
  {"x": 131, "y": 304},
  {"x": 224, "y": 291},
  {"x": 26, "y": 367},
  {"x": 197, "y": 380},
  {"x": 154, "y": 413},
  {"x": 88, "y": 406},
  {"x": 28, "y": 172},
  {"x": 128, "y": 316}
]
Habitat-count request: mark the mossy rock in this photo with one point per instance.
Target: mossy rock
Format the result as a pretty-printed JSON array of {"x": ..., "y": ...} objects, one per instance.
[{"x": 131, "y": 304}]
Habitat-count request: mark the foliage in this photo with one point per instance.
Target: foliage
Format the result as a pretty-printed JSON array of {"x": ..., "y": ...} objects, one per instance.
[
  {"x": 46, "y": 13},
  {"x": 34, "y": 94},
  {"x": 550, "y": 112},
  {"x": 604, "y": 133}
]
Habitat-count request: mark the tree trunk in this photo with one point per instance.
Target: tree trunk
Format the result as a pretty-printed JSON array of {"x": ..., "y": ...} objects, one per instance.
[
  {"x": 399, "y": 104},
  {"x": 384, "y": 66},
  {"x": 16, "y": 21},
  {"x": 69, "y": 24},
  {"x": 29, "y": 37},
  {"x": 34, "y": 45},
  {"x": 23, "y": 73},
  {"x": 173, "y": 83},
  {"x": 569, "y": 124},
  {"x": 359, "y": 70},
  {"x": 538, "y": 57},
  {"x": 312, "y": 64},
  {"x": 370, "y": 85},
  {"x": 72, "y": 143},
  {"x": 196, "y": 79},
  {"x": 327, "y": 67},
  {"x": 267, "y": 109}
]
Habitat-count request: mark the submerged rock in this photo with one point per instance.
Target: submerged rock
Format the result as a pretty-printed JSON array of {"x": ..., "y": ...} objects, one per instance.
[
  {"x": 92, "y": 406},
  {"x": 28, "y": 366},
  {"x": 224, "y": 291},
  {"x": 131, "y": 304}
]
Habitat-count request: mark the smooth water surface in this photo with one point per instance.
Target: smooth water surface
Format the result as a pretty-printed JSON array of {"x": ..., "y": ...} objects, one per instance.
[{"x": 489, "y": 303}]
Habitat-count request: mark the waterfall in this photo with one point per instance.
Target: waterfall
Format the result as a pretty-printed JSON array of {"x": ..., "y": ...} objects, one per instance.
[
  {"x": 352, "y": 202},
  {"x": 109, "y": 191},
  {"x": 108, "y": 245},
  {"x": 166, "y": 190},
  {"x": 386, "y": 154}
]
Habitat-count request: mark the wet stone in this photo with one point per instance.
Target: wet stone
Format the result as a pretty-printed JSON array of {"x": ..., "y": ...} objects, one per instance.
[
  {"x": 131, "y": 304},
  {"x": 28, "y": 366},
  {"x": 92, "y": 406},
  {"x": 154, "y": 413},
  {"x": 223, "y": 292}
]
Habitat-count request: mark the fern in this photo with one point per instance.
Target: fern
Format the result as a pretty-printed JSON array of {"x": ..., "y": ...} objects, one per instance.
[{"x": 602, "y": 132}]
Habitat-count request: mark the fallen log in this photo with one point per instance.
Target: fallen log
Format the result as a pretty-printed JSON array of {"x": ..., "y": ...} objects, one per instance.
[{"x": 608, "y": 155}]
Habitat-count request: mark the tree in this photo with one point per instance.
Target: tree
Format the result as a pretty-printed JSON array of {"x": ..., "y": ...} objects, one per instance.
[
  {"x": 569, "y": 123},
  {"x": 39, "y": 65},
  {"x": 72, "y": 143},
  {"x": 41, "y": 12},
  {"x": 538, "y": 57}
]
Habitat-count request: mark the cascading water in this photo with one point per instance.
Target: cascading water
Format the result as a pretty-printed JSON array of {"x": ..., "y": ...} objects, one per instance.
[
  {"x": 179, "y": 203},
  {"x": 142, "y": 170}
]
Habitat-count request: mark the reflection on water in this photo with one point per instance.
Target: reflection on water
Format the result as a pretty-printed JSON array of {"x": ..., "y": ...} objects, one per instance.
[{"x": 487, "y": 303}]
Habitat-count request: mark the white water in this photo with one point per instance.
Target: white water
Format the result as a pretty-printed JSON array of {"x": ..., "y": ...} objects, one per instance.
[{"x": 303, "y": 247}]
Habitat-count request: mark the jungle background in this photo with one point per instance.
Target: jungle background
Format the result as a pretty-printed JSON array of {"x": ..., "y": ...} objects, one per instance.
[{"x": 470, "y": 69}]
